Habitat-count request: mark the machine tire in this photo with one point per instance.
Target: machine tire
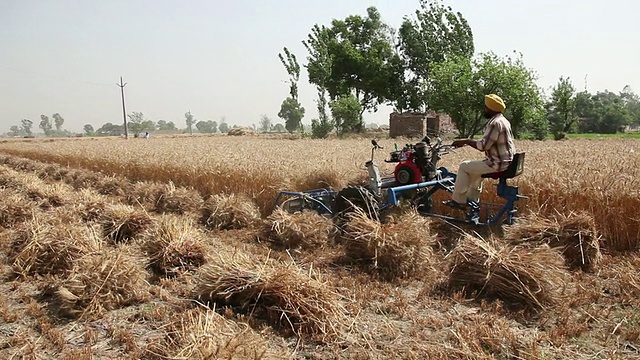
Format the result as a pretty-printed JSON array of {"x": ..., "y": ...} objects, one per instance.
[
  {"x": 405, "y": 175},
  {"x": 350, "y": 197}
]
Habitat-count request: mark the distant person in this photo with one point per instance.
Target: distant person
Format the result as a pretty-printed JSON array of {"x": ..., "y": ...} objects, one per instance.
[
  {"x": 146, "y": 135},
  {"x": 499, "y": 149}
]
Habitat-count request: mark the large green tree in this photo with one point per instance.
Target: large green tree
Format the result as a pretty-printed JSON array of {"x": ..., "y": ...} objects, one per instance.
[
  {"x": 26, "y": 126},
  {"x": 561, "y": 109},
  {"x": 291, "y": 111},
  {"x": 58, "y": 120},
  {"x": 458, "y": 87},
  {"x": 346, "y": 112},
  {"x": 353, "y": 56},
  {"x": 45, "y": 125},
  {"x": 604, "y": 112},
  {"x": 190, "y": 121},
  {"x": 436, "y": 33}
]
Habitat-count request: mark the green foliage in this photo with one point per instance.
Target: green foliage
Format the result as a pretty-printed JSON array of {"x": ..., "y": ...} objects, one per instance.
[
  {"x": 223, "y": 127},
  {"x": 45, "y": 125},
  {"x": 137, "y": 123},
  {"x": 353, "y": 56},
  {"x": 605, "y": 112},
  {"x": 190, "y": 120},
  {"x": 293, "y": 69},
  {"x": 458, "y": 87},
  {"x": 278, "y": 128},
  {"x": 346, "y": 112},
  {"x": 435, "y": 35},
  {"x": 561, "y": 110},
  {"x": 164, "y": 125},
  {"x": 265, "y": 123},
  {"x": 292, "y": 112},
  {"x": 207, "y": 127},
  {"x": 88, "y": 129},
  {"x": 26, "y": 126},
  {"x": 15, "y": 130},
  {"x": 58, "y": 121}
]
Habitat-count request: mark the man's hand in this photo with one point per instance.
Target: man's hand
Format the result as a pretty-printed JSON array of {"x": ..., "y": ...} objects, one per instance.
[{"x": 460, "y": 143}]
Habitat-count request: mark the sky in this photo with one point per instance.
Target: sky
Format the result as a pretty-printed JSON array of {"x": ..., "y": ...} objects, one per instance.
[{"x": 220, "y": 58}]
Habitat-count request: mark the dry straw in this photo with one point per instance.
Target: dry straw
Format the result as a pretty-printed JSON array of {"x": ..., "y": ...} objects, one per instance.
[
  {"x": 173, "y": 244},
  {"x": 398, "y": 248},
  {"x": 226, "y": 212},
  {"x": 530, "y": 277},
  {"x": 306, "y": 229},
  {"x": 103, "y": 281},
  {"x": 122, "y": 223},
  {"x": 177, "y": 200},
  {"x": 204, "y": 334},
  {"x": 50, "y": 246},
  {"x": 284, "y": 294},
  {"x": 575, "y": 235},
  {"x": 14, "y": 209}
]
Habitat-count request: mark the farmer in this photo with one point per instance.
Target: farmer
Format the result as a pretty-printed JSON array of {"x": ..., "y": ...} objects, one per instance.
[{"x": 498, "y": 146}]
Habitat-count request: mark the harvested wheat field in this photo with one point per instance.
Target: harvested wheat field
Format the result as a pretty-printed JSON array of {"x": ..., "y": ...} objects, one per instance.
[{"x": 171, "y": 249}]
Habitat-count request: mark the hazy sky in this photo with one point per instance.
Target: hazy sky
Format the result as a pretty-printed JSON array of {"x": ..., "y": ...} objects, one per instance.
[{"x": 219, "y": 58}]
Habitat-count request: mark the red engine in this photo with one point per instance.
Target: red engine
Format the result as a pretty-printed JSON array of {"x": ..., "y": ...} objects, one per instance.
[{"x": 408, "y": 170}]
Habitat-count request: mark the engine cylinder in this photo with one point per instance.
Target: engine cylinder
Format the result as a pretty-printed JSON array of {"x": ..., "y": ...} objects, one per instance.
[{"x": 421, "y": 154}]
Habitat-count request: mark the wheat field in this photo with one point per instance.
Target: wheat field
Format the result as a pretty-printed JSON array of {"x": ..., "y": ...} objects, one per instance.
[{"x": 171, "y": 248}]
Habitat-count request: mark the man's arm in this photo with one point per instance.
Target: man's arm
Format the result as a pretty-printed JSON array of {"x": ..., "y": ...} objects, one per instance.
[{"x": 488, "y": 139}]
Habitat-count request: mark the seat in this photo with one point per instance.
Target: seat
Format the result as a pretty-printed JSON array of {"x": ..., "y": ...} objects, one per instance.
[{"x": 515, "y": 168}]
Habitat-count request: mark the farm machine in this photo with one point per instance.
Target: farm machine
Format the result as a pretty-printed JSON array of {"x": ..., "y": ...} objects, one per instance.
[{"x": 416, "y": 178}]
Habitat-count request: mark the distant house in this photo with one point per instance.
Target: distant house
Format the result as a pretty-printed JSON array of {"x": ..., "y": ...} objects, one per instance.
[{"x": 419, "y": 124}]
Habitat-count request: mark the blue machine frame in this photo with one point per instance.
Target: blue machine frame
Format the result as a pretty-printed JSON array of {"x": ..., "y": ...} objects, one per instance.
[{"x": 446, "y": 183}]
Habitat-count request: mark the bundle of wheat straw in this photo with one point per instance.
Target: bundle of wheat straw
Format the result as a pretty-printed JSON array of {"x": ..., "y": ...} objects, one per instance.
[
  {"x": 231, "y": 211},
  {"x": 14, "y": 209},
  {"x": 82, "y": 179},
  {"x": 398, "y": 248},
  {"x": 144, "y": 193},
  {"x": 174, "y": 244},
  {"x": 53, "y": 171},
  {"x": 111, "y": 185},
  {"x": 122, "y": 223},
  {"x": 103, "y": 281},
  {"x": 206, "y": 334},
  {"x": 48, "y": 195},
  {"x": 47, "y": 246},
  {"x": 574, "y": 234},
  {"x": 284, "y": 294},
  {"x": 306, "y": 229},
  {"x": 532, "y": 277},
  {"x": 177, "y": 200}
]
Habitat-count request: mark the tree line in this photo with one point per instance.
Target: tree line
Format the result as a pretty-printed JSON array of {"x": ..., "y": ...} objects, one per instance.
[
  {"x": 137, "y": 123},
  {"x": 429, "y": 63}
]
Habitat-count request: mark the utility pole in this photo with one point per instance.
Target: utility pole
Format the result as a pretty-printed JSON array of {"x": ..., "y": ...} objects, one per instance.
[{"x": 124, "y": 112}]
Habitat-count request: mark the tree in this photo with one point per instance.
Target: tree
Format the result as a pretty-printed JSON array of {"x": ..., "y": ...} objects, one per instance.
[
  {"x": 292, "y": 112},
  {"x": 223, "y": 127},
  {"x": 58, "y": 120},
  {"x": 605, "y": 112},
  {"x": 190, "y": 121},
  {"x": 346, "y": 112},
  {"x": 435, "y": 35},
  {"x": 15, "y": 130},
  {"x": 164, "y": 125},
  {"x": 279, "y": 128},
  {"x": 26, "y": 126},
  {"x": 458, "y": 87},
  {"x": 632, "y": 103},
  {"x": 45, "y": 125},
  {"x": 88, "y": 129},
  {"x": 110, "y": 129},
  {"x": 561, "y": 110},
  {"x": 321, "y": 127},
  {"x": 136, "y": 122},
  {"x": 206, "y": 127},
  {"x": 265, "y": 123},
  {"x": 353, "y": 56}
]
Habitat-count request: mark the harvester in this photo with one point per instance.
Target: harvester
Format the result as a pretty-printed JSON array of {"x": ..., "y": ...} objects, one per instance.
[{"x": 416, "y": 178}]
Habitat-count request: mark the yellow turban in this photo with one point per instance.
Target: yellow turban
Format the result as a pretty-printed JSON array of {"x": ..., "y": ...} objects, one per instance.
[{"x": 494, "y": 102}]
